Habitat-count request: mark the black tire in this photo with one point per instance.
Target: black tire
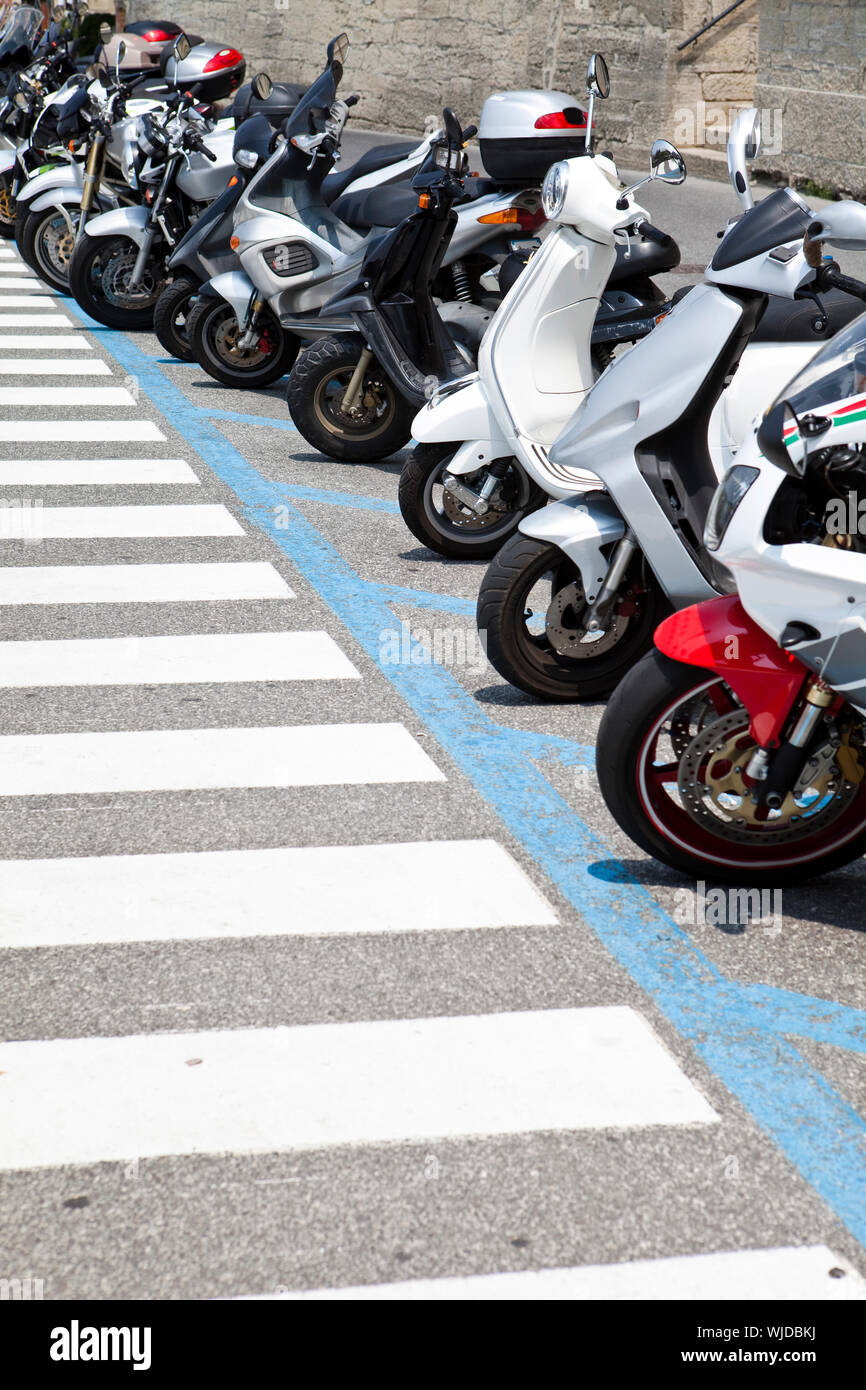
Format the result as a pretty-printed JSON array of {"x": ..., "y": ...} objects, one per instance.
[
  {"x": 626, "y": 749},
  {"x": 316, "y": 388},
  {"x": 46, "y": 244},
  {"x": 454, "y": 530},
  {"x": 7, "y": 207},
  {"x": 171, "y": 317},
  {"x": 97, "y": 271},
  {"x": 525, "y": 656},
  {"x": 212, "y": 328}
]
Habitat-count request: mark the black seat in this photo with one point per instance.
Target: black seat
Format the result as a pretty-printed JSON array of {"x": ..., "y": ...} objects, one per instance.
[
  {"x": 385, "y": 206},
  {"x": 790, "y": 320},
  {"x": 377, "y": 158},
  {"x": 647, "y": 258}
]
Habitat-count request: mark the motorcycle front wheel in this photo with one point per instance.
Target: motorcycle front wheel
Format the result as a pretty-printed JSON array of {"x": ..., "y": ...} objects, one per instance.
[
  {"x": 171, "y": 317},
  {"x": 46, "y": 242},
  {"x": 444, "y": 522},
  {"x": 213, "y": 332},
  {"x": 672, "y": 752},
  {"x": 379, "y": 424},
  {"x": 529, "y": 616},
  {"x": 99, "y": 274}
]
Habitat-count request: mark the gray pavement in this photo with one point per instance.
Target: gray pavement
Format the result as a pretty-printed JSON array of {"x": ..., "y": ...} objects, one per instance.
[{"x": 205, "y": 1220}]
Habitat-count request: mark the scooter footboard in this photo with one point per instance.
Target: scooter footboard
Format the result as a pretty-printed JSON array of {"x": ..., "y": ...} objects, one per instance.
[{"x": 580, "y": 527}]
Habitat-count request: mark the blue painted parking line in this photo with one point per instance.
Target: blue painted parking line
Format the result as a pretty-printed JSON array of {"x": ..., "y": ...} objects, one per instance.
[
  {"x": 742, "y": 1034},
  {"x": 355, "y": 501}
]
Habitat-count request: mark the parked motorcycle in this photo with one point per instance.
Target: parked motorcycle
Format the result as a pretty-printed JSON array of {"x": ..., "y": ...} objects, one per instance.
[
  {"x": 404, "y": 325},
  {"x": 216, "y": 70},
  {"x": 736, "y": 750},
  {"x": 83, "y": 176},
  {"x": 118, "y": 268},
  {"x": 298, "y": 244},
  {"x": 206, "y": 252}
]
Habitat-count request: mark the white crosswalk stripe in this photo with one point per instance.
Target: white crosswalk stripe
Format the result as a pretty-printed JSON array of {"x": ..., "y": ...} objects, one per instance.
[
  {"x": 53, "y": 366},
  {"x": 350, "y": 1083},
  {"x": 181, "y": 759},
  {"x": 185, "y": 583},
  {"x": 310, "y": 891},
  {"x": 53, "y": 342},
  {"x": 43, "y": 320},
  {"x": 219, "y": 657},
  {"x": 118, "y": 472},
  {"x": 43, "y": 396},
  {"x": 87, "y": 523},
  {"x": 86, "y": 431},
  {"x": 798, "y": 1272}
]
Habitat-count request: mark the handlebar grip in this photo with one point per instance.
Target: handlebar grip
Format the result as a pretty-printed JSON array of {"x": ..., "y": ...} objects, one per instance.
[
  {"x": 208, "y": 154},
  {"x": 651, "y": 233},
  {"x": 846, "y": 284},
  {"x": 470, "y": 132},
  {"x": 353, "y": 99}
]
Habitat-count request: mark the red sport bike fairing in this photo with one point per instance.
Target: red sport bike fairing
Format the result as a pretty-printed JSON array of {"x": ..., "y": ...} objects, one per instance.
[{"x": 723, "y": 755}]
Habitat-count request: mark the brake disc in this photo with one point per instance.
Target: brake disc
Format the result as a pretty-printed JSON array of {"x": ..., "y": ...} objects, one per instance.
[
  {"x": 712, "y": 786},
  {"x": 569, "y": 639},
  {"x": 115, "y": 282}
]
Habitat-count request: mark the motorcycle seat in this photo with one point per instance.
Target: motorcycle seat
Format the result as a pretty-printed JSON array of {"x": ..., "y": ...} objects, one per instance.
[
  {"x": 790, "y": 320},
  {"x": 647, "y": 258},
  {"x": 379, "y": 157},
  {"x": 385, "y": 206}
]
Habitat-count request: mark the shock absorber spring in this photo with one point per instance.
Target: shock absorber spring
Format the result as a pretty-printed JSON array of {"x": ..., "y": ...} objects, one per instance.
[{"x": 461, "y": 281}]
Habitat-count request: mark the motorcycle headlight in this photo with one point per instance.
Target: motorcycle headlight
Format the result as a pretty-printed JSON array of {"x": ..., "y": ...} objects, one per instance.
[
  {"x": 247, "y": 159},
  {"x": 726, "y": 499},
  {"x": 554, "y": 189}
]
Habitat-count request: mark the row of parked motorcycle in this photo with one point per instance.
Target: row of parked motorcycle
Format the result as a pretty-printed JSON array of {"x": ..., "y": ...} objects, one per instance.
[{"x": 652, "y": 536}]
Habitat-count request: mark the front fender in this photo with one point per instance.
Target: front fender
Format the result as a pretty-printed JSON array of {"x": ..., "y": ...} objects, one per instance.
[
  {"x": 59, "y": 197},
  {"x": 63, "y": 176},
  {"x": 235, "y": 287},
  {"x": 130, "y": 222},
  {"x": 580, "y": 527},
  {"x": 7, "y": 160},
  {"x": 719, "y": 636},
  {"x": 461, "y": 414}
]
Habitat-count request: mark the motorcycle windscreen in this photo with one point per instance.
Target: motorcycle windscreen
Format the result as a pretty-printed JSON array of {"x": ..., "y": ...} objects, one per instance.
[{"x": 836, "y": 372}]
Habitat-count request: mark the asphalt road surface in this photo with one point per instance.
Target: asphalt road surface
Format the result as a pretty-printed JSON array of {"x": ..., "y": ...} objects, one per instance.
[{"x": 324, "y": 967}]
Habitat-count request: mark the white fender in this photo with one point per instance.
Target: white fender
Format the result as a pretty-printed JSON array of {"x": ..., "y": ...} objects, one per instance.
[
  {"x": 65, "y": 178},
  {"x": 461, "y": 414},
  {"x": 579, "y": 527},
  {"x": 66, "y": 197},
  {"x": 236, "y": 288},
  {"x": 129, "y": 222},
  {"x": 7, "y": 160}
]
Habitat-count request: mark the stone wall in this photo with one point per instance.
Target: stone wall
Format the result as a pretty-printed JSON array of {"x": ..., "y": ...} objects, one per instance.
[
  {"x": 812, "y": 71},
  {"x": 408, "y": 57}
]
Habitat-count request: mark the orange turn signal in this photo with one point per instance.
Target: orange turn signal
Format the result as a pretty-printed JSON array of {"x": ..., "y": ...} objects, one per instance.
[
  {"x": 233, "y": 180},
  {"x": 234, "y": 242},
  {"x": 424, "y": 200},
  {"x": 506, "y": 215}
]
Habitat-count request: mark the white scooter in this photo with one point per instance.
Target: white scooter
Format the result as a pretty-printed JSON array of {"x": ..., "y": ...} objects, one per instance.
[
  {"x": 736, "y": 751},
  {"x": 482, "y": 463}
]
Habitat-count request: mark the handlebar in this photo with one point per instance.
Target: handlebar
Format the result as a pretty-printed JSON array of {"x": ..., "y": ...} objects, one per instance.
[
  {"x": 651, "y": 233},
  {"x": 837, "y": 281},
  {"x": 353, "y": 100}
]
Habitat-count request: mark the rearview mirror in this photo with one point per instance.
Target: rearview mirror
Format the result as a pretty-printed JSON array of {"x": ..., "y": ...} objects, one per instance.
[
  {"x": 597, "y": 85},
  {"x": 262, "y": 86},
  {"x": 744, "y": 142},
  {"x": 105, "y": 33},
  {"x": 181, "y": 48},
  {"x": 121, "y": 52},
  {"x": 842, "y": 224},
  {"x": 666, "y": 162},
  {"x": 597, "y": 77}
]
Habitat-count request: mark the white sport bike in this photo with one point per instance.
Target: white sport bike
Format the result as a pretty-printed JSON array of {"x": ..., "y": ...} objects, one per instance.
[{"x": 737, "y": 749}]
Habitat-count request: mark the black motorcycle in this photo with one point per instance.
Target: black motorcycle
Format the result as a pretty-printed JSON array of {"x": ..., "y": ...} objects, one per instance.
[{"x": 396, "y": 321}]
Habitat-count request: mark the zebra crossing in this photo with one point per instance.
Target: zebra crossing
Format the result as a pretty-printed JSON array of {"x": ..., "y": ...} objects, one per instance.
[{"x": 103, "y": 1097}]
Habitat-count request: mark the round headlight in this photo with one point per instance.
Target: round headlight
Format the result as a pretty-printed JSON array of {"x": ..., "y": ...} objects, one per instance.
[{"x": 554, "y": 189}]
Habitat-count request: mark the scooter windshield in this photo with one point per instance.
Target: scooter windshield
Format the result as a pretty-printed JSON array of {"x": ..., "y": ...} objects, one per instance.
[
  {"x": 21, "y": 31},
  {"x": 836, "y": 372}
]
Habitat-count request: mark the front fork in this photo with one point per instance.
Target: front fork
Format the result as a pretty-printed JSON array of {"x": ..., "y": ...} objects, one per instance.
[
  {"x": 92, "y": 179},
  {"x": 249, "y": 337},
  {"x": 155, "y": 223}
]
